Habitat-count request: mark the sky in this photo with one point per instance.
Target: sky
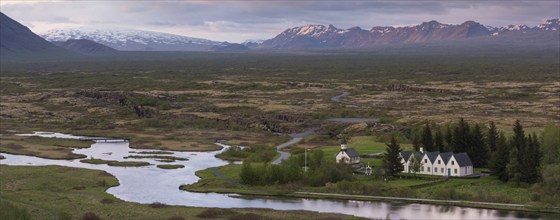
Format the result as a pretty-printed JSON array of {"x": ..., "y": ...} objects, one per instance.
[{"x": 237, "y": 21}]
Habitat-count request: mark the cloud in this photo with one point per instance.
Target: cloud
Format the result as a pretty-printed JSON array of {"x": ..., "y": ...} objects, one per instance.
[{"x": 236, "y": 21}]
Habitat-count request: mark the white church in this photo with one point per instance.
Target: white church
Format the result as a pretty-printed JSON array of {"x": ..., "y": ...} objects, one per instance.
[
  {"x": 436, "y": 163},
  {"x": 347, "y": 155}
]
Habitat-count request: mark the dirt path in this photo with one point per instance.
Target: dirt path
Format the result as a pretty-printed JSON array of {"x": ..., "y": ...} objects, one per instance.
[
  {"x": 296, "y": 137},
  {"x": 218, "y": 174}
]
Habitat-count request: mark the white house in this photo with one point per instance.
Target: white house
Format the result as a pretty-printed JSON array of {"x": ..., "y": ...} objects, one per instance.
[
  {"x": 347, "y": 155},
  {"x": 436, "y": 163}
]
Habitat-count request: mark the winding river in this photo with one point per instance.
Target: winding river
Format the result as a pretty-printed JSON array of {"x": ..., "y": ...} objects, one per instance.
[{"x": 150, "y": 184}]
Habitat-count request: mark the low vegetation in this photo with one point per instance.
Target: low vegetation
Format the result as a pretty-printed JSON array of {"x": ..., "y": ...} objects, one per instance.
[
  {"x": 253, "y": 153},
  {"x": 116, "y": 163},
  {"x": 170, "y": 166},
  {"x": 51, "y": 148},
  {"x": 34, "y": 193},
  {"x": 160, "y": 157}
]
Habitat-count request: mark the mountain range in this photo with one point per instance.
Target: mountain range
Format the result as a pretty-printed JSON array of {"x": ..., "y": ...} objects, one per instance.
[
  {"x": 132, "y": 40},
  {"x": 16, "y": 40},
  {"x": 321, "y": 36}
]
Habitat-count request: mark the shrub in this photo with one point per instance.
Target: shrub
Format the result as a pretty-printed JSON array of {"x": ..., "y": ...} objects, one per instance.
[
  {"x": 215, "y": 213},
  {"x": 90, "y": 216},
  {"x": 106, "y": 201},
  {"x": 247, "y": 216},
  {"x": 158, "y": 205}
]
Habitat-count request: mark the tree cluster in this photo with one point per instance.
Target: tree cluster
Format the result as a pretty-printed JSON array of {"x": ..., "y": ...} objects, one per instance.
[
  {"x": 391, "y": 159},
  {"x": 517, "y": 159},
  {"x": 320, "y": 171},
  {"x": 461, "y": 138}
]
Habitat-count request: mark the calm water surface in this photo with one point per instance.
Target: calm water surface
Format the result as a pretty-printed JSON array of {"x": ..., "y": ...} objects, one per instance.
[{"x": 151, "y": 184}]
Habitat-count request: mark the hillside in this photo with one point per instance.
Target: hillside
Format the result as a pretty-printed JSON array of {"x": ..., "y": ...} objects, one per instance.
[
  {"x": 17, "y": 42},
  {"x": 86, "y": 47}
]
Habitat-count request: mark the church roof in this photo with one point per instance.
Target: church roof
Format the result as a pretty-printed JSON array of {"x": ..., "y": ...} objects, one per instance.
[{"x": 352, "y": 152}]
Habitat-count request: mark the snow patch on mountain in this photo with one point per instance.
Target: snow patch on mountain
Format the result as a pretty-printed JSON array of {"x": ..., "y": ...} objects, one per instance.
[{"x": 130, "y": 39}]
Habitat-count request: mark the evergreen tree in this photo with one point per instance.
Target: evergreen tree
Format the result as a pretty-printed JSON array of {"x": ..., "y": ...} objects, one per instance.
[
  {"x": 449, "y": 140},
  {"x": 438, "y": 141},
  {"x": 477, "y": 148},
  {"x": 514, "y": 175},
  {"x": 500, "y": 158},
  {"x": 518, "y": 144},
  {"x": 427, "y": 139},
  {"x": 461, "y": 136},
  {"x": 416, "y": 143},
  {"x": 529, "y": 169},
  {"x": 492, "y": 137},
  {"x": 519, "y": 140},
  {"x": 391, "y": 159}
]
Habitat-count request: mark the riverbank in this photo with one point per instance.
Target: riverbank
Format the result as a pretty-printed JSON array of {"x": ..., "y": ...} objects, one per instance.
[
  {"x": 39, "y": 191},
  {"x": 50, "y": 148},
  {"x": 210, "y": 182}
]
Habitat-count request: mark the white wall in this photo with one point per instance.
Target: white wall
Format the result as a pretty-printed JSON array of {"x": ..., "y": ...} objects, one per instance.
[
  {"x": 439, "y": 166},
  {"x": 426, "y": 163},
  {"x": 342, "y": 155},
  {"x": 453, "y": 165}
]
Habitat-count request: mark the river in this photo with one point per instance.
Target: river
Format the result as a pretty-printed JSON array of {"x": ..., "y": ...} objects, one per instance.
[{"x": 151, "y": 184}]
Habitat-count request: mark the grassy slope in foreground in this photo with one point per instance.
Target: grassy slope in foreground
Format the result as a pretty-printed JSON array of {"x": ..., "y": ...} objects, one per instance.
[
  {"x": 50, "y": 148},
  {"x": 49, "y": 191}
]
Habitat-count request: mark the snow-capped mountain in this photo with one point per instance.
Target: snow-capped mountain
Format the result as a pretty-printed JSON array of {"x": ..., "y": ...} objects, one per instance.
[
  {"x": 549, "y": 25},
  {"x": 132, "y": 40},
  {"x": 321, "y": 36}
]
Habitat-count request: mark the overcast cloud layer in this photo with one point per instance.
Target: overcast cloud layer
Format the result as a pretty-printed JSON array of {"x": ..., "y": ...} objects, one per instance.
[{"x": 236, "y": 21}]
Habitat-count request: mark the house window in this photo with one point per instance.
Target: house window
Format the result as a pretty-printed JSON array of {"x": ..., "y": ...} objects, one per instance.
[
  {"x": 422, "y": 169},
  {"x": 438, "y": 161},
  {"x": 452, "y": 162},
  {"x": 425, "y": 160},
  {"x": 455, "y": 171},
  {"x": 442, "y": 170},
  {"x": 428, "y": 169}
]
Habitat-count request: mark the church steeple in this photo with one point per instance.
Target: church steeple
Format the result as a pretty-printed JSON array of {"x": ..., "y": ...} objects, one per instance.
[{"x": 343, "y": 146}]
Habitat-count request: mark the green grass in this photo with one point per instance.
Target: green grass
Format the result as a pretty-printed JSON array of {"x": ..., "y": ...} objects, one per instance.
[
  {"x": 486, "y": 189},
  {"x": 117, "y": 163},
  {"x": 153, "y": 152},
  {"x": 161, "y": 157},
  {"x": 51, "y": 148},
  {"x": 45, "y": 192},
  {"x": 170, "y": 166},
  {"x": 362, "y": 144}
]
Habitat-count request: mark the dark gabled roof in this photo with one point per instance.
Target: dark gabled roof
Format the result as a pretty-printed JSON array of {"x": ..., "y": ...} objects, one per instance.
[
  {"x": 418, "y": 155},
  {"x": 432, "y": 156},
  {"x": 352, "y": 152},
  {"x": 406, "y": 155},
  {"x": 446, "y": 156},
  {"x": 463, "y": 159}
]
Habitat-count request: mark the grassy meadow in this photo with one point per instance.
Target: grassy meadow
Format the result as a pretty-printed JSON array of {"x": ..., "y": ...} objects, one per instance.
[{"x": 38, "y": 193}]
